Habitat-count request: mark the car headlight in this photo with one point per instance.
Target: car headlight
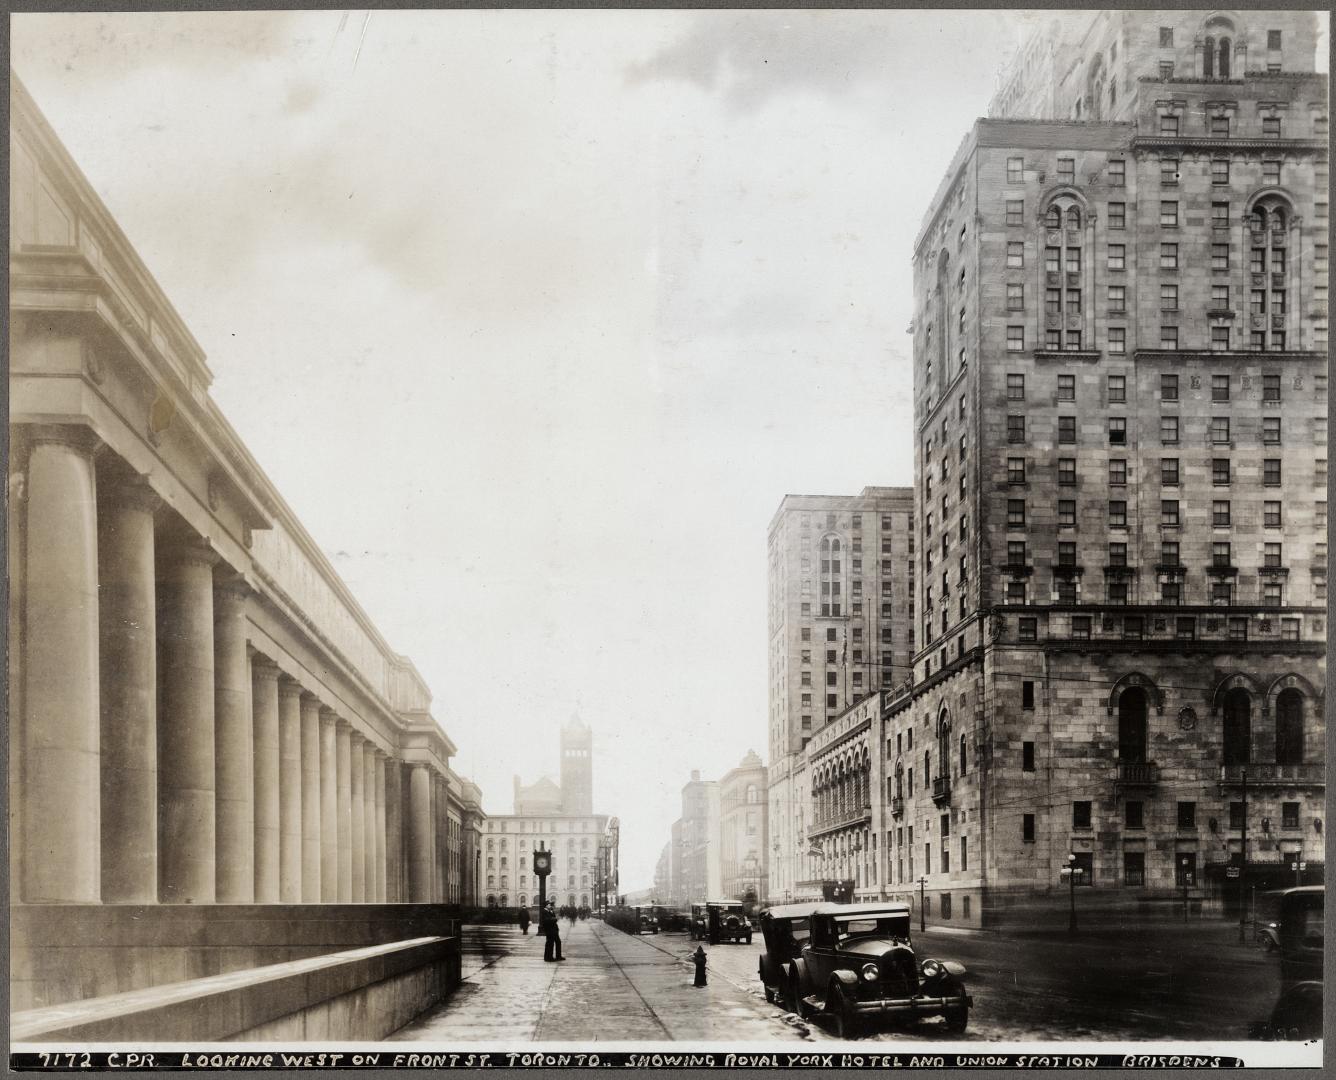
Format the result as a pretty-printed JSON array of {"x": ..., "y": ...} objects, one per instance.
[
  {"x": 870, "y": 972},
  {"x": 931, "y": 969}
]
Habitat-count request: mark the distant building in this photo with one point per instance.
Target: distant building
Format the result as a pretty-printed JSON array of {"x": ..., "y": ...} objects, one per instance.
[
  {"x": 742, "y": 831},
  {"x": 841, "y": 625},
  {"x": 702, "y": 875}
]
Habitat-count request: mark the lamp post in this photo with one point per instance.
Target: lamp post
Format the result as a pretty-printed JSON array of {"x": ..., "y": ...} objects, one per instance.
[
  {"x": 922, "y": 884},
  {"x": 1183, "y": 875},
  {"x": 1071, "y": 871}
]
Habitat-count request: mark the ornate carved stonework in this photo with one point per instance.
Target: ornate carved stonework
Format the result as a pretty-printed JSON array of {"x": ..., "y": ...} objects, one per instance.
[{"x": 1187, "y": 718}]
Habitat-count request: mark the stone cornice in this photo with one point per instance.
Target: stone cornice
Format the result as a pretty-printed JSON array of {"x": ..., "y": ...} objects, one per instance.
[
  {"x": 1227, "y": 145},
  {"x": 1184, "y": 355}
]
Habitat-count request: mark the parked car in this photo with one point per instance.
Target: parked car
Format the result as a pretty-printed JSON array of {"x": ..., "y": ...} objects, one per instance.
[
  {"x": 785, "y": 931},
  {"x": 647, "y": 922},
  {"x": 726, "y": 920},
  {"x": 1298, "y": 1011},
  {"x": 697, "y": 924},
  {"x": 858, "y": 966}
]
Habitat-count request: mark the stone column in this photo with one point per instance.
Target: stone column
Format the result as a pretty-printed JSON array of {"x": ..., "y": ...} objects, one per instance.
[
  {"x": 289, "y": 792},
  {"x": 264, "y": 696},
  {"x": 394, "y": 831},
  {"x": 369, "y": 820},
  {"x": 382, "y": 877},
  {"x": 435, "y": 813},
  {"x": 329, "y": 807},
  {"x": 61, "y": 726},
  {"x": 419, "y": 834},
  {"x": 310, "y": 799},
  {"x": 345, "y": 815},
  {"x": 186, "y": 778},
  {"x": 129, "y": 695},
  {"x": 234, "y": 745},
  {"x": 357, "y": 771}
]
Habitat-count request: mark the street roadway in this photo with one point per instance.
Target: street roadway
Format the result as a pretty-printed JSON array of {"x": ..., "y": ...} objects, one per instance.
[{"x": 1161, "y": 981}]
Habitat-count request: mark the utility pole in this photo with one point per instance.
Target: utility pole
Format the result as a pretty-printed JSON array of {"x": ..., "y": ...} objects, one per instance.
[{"x": 1243, "y": 865}]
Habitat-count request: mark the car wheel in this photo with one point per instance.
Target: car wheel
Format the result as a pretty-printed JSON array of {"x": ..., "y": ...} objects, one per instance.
[
  {"x": 957, "y": 1020},
  {"x": 769, "y": 993},
  {"x": 842, "y": 1013},
  {"x": 795, "y": 1002},
  {"x": 1267, "y": 944}
]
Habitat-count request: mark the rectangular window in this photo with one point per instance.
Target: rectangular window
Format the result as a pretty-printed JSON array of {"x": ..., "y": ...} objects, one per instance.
[
  {"x": 1015, "y": 254},
  {"x": 1015, "y": 429},
  {"x": 1073, "y": 262},
  {"x": 1027, "y": 757},
  {"x": 1015, "y": 552},
  {"x": 1117, "y": 173},
  {"x": 1066, "y": 511},
  {"x": 1015, "y": 170},
  {"x": 1219, "y": 256},
  {"x": 1015, "y": 297},
  {"x": 1134, "y": 814},
  {"x": 1168, "y": 297},
  {"x": 1289, "y": 629},
  {"x": 1219, "y": 387},
  {"x": 1081, "y": 814},
  {"x": 1271, "y": 515},
  {"x": 1185, "y": 629},
  {"x": 1270, "y": 387},
  {"x": 1220, "y": 126},
  {"x": 1238, "y": 628},
  {"x": 1169, "y": 471},
  {"x": 1066, "y": 170},
  {"x": 1219, "y": 338},
  {"x": 1015, "y": 339},
  {"x": 1168, "y": 172},
  {"x": 1168, "y": 429},
  {"x": 1289, "y": 815},
  {"x": 1236, "y": 815},
  {"x": 1027, "y": 828},
  {"x": 1073, "y": 343},
  {"x": 1016, "y": 513},
  {"x": 1015, "y": 470},
  {"x": 1117, "y": 298},
  {"x": 1168, "y": 387},
  {"x": 1271, "y": 172},
  {"x": 1220, "y": 473},
  {"x": 1117, "y": 513},
  {"x": 1166, "y": 69},
  {"x": 1168, "y": 256},
  {"x": 1273, "y": 40},
  {"x": 1221, "y": 554},
  {"x": 1134, "y": 869},
  {"x": 1066, "y": 470},
  {"x": 1271, "y": 472},
  {"x": 1053, "y": 302},
  {"x": 1134, "y": 626},
  {"x": 1220, "y": 429},
  {"x": 1169, "y": 513},
  {"x": 1271, "y": 430},
  {"x": 1066, "y": 429},
  {"x": 1027, "y": 696},
  {"x": 1066, "y": 387},
  {"x": 1220, "y": 170},
  {"x": 1015, "y": 211},
  {"x": 1168, "y": 337},
  {"x": 1015, "y": 387},
  {"x": 1117, "y": 215},
  {"x": 1052, "y": 260},
  {"x": 1117, "y": 388},
  {"x": 1219, "y": 297},
  {"x": 1271, "y": 555},
  {"x": 1117, "y": 431},
  {"x": 1166, "y": 37},
  {"x": 1073, "y": 301},
  {"x": 1118, "y": 472},
  {"x": 1117, "y": 256},
  {"x": 1169, "y": 553},
  {"x": 1220, "y": 210},
  {"x": 1066, "y": 553},
  {"x": 1117, "y": 340},
  {"x": 1169, "y": 207},
  {"x": 1220, "y": 513},
  {"x": 1028, "y": 626},
  {"x": 1081, "y": 627}
]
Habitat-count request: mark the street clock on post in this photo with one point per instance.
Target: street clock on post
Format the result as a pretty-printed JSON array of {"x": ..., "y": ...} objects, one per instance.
[{"x": 542, "y": 866}]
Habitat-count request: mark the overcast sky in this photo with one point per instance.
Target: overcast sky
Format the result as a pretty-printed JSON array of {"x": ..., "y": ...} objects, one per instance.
[{"x": 534, "y": 317}]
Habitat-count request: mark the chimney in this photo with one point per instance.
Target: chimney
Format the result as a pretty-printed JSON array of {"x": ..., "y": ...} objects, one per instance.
[{"x": 695, "y": 776}]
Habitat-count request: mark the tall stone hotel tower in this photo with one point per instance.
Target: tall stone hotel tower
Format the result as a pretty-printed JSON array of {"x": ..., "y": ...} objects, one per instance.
[
  {"x": 577, "y": 768},
  {"x": 1120, "y": 383}
]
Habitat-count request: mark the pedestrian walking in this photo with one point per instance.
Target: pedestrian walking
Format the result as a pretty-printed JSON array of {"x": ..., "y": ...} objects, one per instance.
[
  {"x": 524, "y": 921},
  {"x": 550, "y": 925}
]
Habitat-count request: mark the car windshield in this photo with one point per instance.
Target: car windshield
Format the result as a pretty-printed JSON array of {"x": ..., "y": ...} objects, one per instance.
[{"x": 871, "y": 926}]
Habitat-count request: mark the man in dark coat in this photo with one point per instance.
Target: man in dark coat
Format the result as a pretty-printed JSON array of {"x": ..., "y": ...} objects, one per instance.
[
  {"x": 524, "y": 920},
  {"x": 551, "y": 928}
]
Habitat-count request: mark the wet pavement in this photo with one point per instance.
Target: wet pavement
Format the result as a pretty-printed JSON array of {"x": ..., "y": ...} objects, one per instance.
[{"x": 1159, "y": 981}]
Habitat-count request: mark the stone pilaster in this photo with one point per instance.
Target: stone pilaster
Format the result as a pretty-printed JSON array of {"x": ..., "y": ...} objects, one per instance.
[
  {"x": 186, "y": 777},
  {"x": 310, "y": 802},
  {"x": 357, "y": 775},
  {"x": 369, "y": 820},
  {"x": 289, "y": 792},
  {"x": 60, "y": 739},
  {"x": 395, "y": 892},
  {"x": 345, "y": 814},
  {"x": 234, "y": 761},
  {"x": 419, "y": 834},
  {"x": 382, "y": 875},
  {"x": 129, "y": 695},
  {"x": 264, "y": 698},
  {"x": 329, "y": 807}
]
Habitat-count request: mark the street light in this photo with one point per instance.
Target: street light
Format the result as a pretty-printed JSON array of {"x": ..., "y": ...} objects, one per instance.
[
  {"x": 1071, "y": 871},
  {"x": 922, "y": 884},
  {"x": 1183, "y": 863}
]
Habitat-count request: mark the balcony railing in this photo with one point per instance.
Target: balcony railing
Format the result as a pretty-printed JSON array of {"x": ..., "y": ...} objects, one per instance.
[
  {"x": 897, "y": 806},
  {"x": 941, "y": 789},
  {"x": 1138, "y": 773},
  {"x": 1271, "y": 774}
]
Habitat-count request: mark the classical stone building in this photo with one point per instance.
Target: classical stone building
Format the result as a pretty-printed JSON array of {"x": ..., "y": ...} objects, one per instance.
[
  {"x": 841, "y": 625},
  {"x": 208, "y": 734},
  {"x": 742, "y": 831},
  {"x": 698, "y": 835},
  {"x": 1120, "y": 378},
  {"x": 557, "y": 818}
]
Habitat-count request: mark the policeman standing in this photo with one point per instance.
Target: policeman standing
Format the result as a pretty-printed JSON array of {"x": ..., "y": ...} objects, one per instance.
[{"x": 551, "y": 927}]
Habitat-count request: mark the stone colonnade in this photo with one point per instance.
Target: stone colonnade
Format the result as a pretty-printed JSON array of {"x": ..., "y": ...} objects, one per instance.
[{"x": 219, "y": 778}]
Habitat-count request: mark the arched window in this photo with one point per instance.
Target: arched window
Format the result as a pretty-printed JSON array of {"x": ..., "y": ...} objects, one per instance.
[
  {"x": 899, "y": 781},
  {"x": 1238, "y": 727},
  {"x": 491, "y": 900},
  {"x": 831, "y": 576},
  {"x": 1063, "y": 266},
  {"x": 753, "y": 794},
  {"x": 1208, "y": 58},
  {"x": 1290, "y": 727},
  {"x": 1132, "y": 725},
  {"x": 491, "y": 844},
  {"x": 1222, "y": 63},
  {"x": 524, "y": 899},
  {"x": 1073, "y": 217},
  {"x": 943, "y": 742},
  {"x": 504, "y": 900},
  {"x": 1269, "y": 219},
  {"x": 1053, "y": 219},
  {"x": 584, "y": 899},
  {"x": 962, "y": 755}
]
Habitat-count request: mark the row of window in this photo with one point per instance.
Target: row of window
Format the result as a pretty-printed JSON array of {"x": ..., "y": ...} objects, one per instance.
[
  {"x": 1185, "y": 628},
  {"x": 1222, "y": 472},
  {"x": 1222, "y": 556},
  {"x": 1222, "y": 340},
  {"x": 856, "y": 520},
  {"x": 1218, "y": 430},
  {"x": 1116, "y": 387},
  {"x": 1119, "y": 591},
  {"x": 1170, "y": 168},
  {"x": 1272, "y": 513}
]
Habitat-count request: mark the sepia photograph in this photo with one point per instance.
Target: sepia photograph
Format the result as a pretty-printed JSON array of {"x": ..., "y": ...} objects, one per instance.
[{"x": 651, "y": 538}]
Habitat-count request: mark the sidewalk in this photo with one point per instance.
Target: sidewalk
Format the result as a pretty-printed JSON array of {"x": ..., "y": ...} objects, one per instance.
[{"x": 611, "y": 988}]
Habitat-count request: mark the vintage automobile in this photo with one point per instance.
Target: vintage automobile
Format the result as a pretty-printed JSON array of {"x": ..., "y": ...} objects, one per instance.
[
  {"x": 858, "y": 966},
  {"x": 1298, "y": 1011},
  {"x": 670, "y": 919},
  {"x": 697, "y": 924},
  {"x": 784, "y": 930},
  {"x": 646, "y": 921},
  {"x": 726, "y": 920}
]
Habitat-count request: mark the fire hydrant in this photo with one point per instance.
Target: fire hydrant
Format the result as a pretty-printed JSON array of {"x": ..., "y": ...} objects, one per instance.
[{"x": 698, "y": 958}]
